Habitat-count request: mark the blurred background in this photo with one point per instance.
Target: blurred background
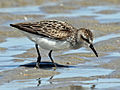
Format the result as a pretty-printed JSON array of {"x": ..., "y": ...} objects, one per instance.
[{"x": 100, "y": 16}]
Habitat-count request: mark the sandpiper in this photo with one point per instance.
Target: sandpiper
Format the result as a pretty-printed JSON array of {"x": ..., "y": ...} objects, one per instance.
[{"x": 55, "y": 35}]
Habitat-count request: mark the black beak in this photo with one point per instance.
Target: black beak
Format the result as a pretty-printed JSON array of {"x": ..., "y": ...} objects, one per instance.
[{"x": 93, "y": 49}]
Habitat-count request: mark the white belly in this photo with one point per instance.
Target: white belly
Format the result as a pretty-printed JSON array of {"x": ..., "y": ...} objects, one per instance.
[{"x": 47, "y": 43}]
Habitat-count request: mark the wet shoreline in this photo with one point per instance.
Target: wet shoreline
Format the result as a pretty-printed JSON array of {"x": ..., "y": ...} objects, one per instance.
[{"x": 15, "y": 49}]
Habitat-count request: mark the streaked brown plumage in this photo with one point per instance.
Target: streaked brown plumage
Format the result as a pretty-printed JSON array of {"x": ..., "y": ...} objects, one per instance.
[
  {"x": 57, "y": 34},
  {"x": 53, "y": 29}
]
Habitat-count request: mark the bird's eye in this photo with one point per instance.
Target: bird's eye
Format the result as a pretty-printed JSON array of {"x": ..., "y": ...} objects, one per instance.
[{"x": 85, "y": 39}]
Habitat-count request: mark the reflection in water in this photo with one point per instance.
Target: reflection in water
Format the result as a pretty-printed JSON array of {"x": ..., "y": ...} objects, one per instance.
[
  {"x": 70, "y": 72},
  {"x": 93, "y": 86},
  {"x": 40, "y": 81},
  {"x": 71, "y": 87}
]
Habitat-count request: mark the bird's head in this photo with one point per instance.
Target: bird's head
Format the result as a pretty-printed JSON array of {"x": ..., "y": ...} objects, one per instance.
[{"x": 87, "y": 37}]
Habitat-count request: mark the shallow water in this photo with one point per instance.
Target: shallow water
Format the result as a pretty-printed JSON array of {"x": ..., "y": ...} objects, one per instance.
[
  {"x": 19, "y": 46},
  {"x": 84, "y": 11},
  {"x": 65, "y": 73},
  {"x": 16, "y": 46},
  {"x": 87, "y": 69}
]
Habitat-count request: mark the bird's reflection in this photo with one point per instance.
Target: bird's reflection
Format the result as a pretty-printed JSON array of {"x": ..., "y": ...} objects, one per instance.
[
  {"x": 40, "y": 81},
  {"x": 46, "y": 65}
]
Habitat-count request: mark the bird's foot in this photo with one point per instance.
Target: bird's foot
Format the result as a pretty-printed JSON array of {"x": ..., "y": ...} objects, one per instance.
[
  {"x": 37, "y": 65},
  {"x": 55, "y": 66}
]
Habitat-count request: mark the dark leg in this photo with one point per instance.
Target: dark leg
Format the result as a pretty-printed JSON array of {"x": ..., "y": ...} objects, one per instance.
[
  {"x": 51, "y": 58},
  {"x": 39, "y": 57}
]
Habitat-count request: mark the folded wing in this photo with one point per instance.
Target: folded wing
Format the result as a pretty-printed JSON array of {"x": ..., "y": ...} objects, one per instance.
[{"x": 52, "y": 29}]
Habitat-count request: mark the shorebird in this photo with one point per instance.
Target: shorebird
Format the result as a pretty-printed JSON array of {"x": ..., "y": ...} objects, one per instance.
[{"x": 55, "y": 35}]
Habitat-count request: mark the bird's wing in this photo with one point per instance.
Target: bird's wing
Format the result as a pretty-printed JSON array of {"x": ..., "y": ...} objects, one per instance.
[{"x": 52, "y": 28}]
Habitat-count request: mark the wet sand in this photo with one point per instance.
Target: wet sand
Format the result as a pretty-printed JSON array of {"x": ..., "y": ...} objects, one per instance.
[{"x": 84, "y": 71}]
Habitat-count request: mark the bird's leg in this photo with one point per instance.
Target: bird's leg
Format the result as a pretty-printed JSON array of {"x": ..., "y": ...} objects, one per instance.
[
  {"x": 38, "y": 58},
  {"x": 51, "y": 58}
]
